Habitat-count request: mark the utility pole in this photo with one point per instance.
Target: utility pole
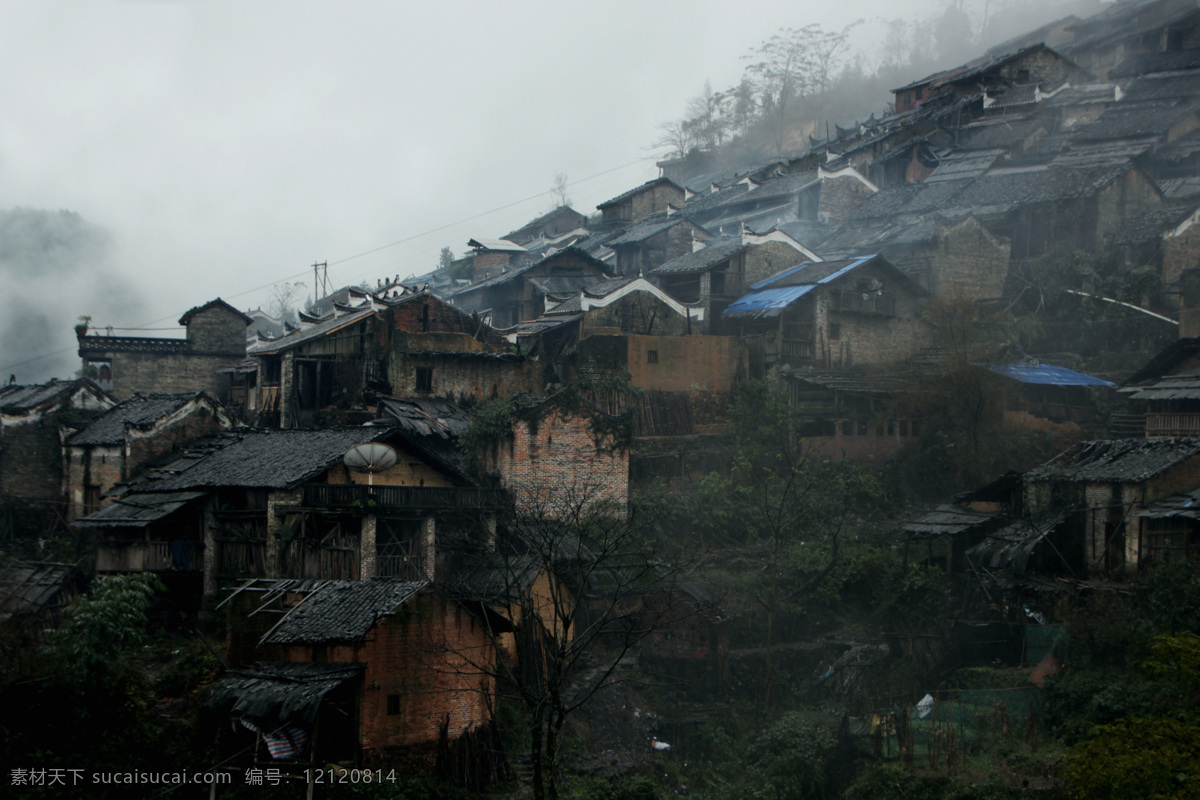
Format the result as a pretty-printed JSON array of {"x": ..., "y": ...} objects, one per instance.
[{"x": 320, "y": 280}]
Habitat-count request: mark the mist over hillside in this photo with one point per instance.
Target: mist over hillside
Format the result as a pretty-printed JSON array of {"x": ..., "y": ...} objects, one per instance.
[{"x": 58, "y": 266}]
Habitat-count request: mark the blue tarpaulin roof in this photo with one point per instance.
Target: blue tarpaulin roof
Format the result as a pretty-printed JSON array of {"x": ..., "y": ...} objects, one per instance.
[
  {"x": 1046, "y": 374},
  {"x": 780, "y": 291}
]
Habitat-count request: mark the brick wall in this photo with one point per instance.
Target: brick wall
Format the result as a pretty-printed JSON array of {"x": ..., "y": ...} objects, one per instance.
[
  {"x": 559, "y": 463},
  {"x": 655, "y": 200},
  {"x": 31, "y": 460},
  {"x": 684, "y": 363},
  {"x": 637, "y": 312},
  {"x": 840, "y": 196},
  {"x": 217, "y": 330},
  {"x": 98, "y": 468},
  {"x": 967, "y": 262},
  {"x": 770, "y": 258},
  {"x": 464, "y": 378},
  {"x": 175, "y": 373}
]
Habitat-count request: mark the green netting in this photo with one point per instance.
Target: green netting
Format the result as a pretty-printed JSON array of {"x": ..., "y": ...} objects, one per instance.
[
  {"x": 965, "y": 718},
  {"x": 1043, "y": 639}
]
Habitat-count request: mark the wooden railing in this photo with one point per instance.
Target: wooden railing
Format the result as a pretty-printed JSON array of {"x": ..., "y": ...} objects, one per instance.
[
  {"x": 1172, "y": 425},
  {"x": 869, "y": 303},
  {"x": 351, "y": 495},
  {"x": 147, "y": 557}
]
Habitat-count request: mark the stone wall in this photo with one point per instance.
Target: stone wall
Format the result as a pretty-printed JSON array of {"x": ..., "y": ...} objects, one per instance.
[
  {"x": 967, "y": 262},
  {"x": 217, "y": 330},
  {"x": 170, "y": 373},
  {"x": 770, "y": 258}
]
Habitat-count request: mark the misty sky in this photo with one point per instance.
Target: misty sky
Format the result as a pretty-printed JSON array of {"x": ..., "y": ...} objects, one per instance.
[{"x": 225, "y": 146}]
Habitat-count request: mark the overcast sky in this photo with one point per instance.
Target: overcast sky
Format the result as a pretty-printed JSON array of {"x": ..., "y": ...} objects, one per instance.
[{"x": 227, "y": 146}]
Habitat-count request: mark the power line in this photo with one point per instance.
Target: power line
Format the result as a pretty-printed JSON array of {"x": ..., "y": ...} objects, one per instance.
[{"x": 294, "y": 276}]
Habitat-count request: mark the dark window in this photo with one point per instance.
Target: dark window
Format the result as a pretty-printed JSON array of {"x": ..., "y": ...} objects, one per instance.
[
  {"x": 904, "y": 427},
  {"x": 717, "y": 283},
  {"x": 393, "y": 704},
  {"x": 651, "y": 356},
  {"x": 1022, "y": 76},
  {"x": 424, "y": 379},
  {"x": 847, "y": 427},
  {"x": 835, "y": 330},
  {"x": 862, "y": 428}
]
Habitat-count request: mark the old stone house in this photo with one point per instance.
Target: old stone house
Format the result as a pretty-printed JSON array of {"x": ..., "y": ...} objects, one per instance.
[
  {"x": 652, "y": 197},
  {"x": 832, "y": 313},
  {"x": 115, "y": 445},
  {"x": 411, "y": 345},
  {"x": 1111, "y": 492},
  {"x": 31, "y": 465},
  {"x": 654, "y": 241},
  {"x": 214, "y": 341},
  {"x": 551, "y": 225}
]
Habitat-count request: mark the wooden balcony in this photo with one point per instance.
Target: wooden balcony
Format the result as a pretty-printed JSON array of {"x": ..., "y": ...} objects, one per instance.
[
  {"x": 380, "y": 498},
  {"x": 1177, "y": 424}
]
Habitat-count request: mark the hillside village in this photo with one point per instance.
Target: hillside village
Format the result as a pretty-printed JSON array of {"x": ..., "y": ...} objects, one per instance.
[{"x": 425, "y": 494}]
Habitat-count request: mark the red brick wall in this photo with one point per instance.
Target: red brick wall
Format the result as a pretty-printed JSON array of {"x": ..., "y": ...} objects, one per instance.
[
  {"x": 559, "y": 463},
  {"x": 684, "y": 363}
]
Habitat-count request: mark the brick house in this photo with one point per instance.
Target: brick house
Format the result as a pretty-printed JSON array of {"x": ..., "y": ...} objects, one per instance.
[
  {"x": 30, "y": 448},
  {"x": 652, "y": 197},
  {"x": 262, "y": 503},
  {"x": 408, "y": 668},
  {"x": 832, "y": 313},
  {"x": 116, "y": 444},
  {"x": 1114, "y": 492},
  {"x": 215, "y": 340}
]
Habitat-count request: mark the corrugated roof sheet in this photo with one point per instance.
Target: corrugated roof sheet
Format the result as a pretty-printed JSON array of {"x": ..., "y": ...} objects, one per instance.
[
  {"x": 1046, "y": 375},
  {"x": 947, "y": 520},
  {"x": 1115, "y": 460},
  {"x": 776, "y": 293},
  {"x": 342, "y": 611},
  {"x": 1185, "y": 504},
  {"x": 138, "y": 411}
]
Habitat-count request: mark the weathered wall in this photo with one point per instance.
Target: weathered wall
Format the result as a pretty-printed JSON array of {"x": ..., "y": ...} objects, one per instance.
[
  {"x": 465, "y": 378},
  {"x": 31, "y": 460},
  {"x": 840, "y": 196},
  {"x": 218, "y": 330},
  {"x": 170, "y": 373},
  {"x": 684, "y": 363},
  {"x": 770, "y": 258},
  {"x": 655, "y": 200},
  {"x": 636, "y": 312},
  {"x": 967, "y": 262},
  {"x": 558, "y": 463}
]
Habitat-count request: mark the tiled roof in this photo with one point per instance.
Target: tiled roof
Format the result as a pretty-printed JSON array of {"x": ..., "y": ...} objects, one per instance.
[
  {"x": 280, "y": 692},
  {"x": 964, "y": 164},
  {"x": 269, "y": 459},
  {"x": 1116, "y": 461},
  {"x": 1143, "y": 64},
  {"x": 342, "y": 611},
  {"x": 137, "y": 411},
  {"x": 770, "y": 297},
  {"x": 15, "y": 399},
  {"x": 308, "y": 334},
  {"x": 1185, "y": 504},
  {"x": 137, "y": 510},
  {"x": 1151, "y": 224},
  {"x": 639, "y": 189},
  {"x": 1102, "y": 153},
  {"x": 217, "y": 303},
  {"x": 434, "y": 426},
  {"x": 714, "y": 253},
  {"x": 645, "y": 229},
  {"x": 1164, "y": 86},
  {"x": 1128, "y": 120},
  {"x": 1179, "y": 188},
  {"x": 28, "y": 588}
]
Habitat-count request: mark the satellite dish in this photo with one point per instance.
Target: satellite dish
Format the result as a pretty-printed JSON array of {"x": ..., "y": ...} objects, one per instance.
[{"x": 369, "y": 457}]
